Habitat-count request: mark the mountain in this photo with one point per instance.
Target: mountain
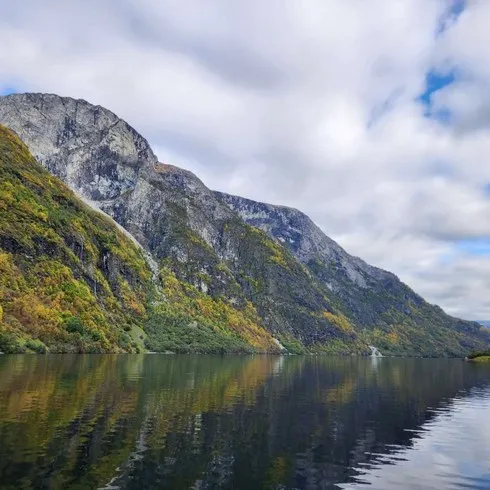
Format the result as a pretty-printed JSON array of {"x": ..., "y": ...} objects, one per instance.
[
  {"x": 72, "y": 281},
  {"x": 226, "y": 265}
]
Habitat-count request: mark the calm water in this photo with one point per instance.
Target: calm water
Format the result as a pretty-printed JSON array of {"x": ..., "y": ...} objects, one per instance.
[{"x": 155, "y": 421}]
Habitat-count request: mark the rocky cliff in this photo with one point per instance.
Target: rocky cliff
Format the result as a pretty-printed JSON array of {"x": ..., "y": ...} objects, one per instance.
[{"x": 241, "y": 262}]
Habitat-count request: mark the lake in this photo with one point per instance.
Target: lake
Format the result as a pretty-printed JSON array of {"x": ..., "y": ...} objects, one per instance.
[{"x": 240, "y": 422}]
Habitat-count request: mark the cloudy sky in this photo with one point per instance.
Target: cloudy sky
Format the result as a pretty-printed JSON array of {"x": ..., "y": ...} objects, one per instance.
[{"x": 372, "y": 116}]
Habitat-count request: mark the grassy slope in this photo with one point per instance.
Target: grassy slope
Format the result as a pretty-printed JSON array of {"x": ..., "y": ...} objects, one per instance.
[
  {"x": 70, "y": 281},
  {"x": 480, "y": 356}
]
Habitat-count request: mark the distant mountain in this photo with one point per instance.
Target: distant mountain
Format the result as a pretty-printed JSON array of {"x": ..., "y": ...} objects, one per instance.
[{"x": 233, "y": 274}]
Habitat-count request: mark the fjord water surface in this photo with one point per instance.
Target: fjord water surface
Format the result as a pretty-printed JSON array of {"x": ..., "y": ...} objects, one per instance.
[{"x": 236, "y": 422}]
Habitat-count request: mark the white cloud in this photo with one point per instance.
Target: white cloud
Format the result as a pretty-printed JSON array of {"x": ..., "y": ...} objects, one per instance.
[{"x": 310, "y": 104}]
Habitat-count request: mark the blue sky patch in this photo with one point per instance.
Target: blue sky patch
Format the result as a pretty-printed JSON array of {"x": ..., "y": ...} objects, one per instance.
[
  {"x": 444, "y": 116},
  {"x": 454, "y": 11},
  {"x": 7, "y": 90},
  {"x": 434, "y": 82},
  {"x": 447, "y": 258},
  {"x": 476, "y": 246},
  {"x": 441, "y": 168}
]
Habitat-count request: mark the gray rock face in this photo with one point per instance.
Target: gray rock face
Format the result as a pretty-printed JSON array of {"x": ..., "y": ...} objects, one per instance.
[
  {"x": 110, "y": 165},
  {"x": 297, "y": 232},
  {"x": 90, "y": 148},
  {"x": 355, "y": 283}
]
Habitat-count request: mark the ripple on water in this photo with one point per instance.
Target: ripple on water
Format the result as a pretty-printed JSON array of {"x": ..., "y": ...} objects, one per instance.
[{"x": 452, "y": 451}]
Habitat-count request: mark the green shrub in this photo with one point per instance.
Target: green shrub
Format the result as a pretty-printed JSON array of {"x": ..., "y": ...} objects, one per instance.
[
  {"x": 10, "y": 344},
  {"x": 474, "y": 355},
  {"x": 36, "y": 346},
  {"x": 74, "y": 325}
]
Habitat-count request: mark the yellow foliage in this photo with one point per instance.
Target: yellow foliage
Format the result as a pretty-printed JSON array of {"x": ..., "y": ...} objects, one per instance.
[
  {"x": 223, "y": 316},
  {"x": 339, "y": 320},
  {"x": 278, "y": 254},
  {"x": 10, "y": 276},
  {"x": 131, "y": 300},
  {"x": 36, "y": 316}
]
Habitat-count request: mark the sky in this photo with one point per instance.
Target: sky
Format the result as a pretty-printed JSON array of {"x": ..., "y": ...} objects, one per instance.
[{"x": 373, "y": 117}]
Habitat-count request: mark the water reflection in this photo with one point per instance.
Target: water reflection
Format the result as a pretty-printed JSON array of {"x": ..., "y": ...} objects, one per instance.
[
  {"x": 242, "y": 422},
  {"x": 450, "y": 451}
]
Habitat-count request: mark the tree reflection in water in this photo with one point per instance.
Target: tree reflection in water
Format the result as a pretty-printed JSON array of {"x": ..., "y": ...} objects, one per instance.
[{"x": 155, "y": 421}]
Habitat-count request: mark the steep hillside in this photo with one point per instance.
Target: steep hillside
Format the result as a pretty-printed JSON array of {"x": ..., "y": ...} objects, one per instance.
[
  {"x": 71, "y": 281},
  {"x": 386, "y": 311},
  {"x": 229, "y": 266}
]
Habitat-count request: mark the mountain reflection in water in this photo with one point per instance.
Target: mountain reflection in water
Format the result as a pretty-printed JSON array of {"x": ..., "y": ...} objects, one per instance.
[{"x": 236, "y": 422}]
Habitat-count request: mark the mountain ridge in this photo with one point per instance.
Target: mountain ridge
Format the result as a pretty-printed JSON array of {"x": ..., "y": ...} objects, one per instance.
[
  {"x": 72, "y": 280},
  {"x": 309, "y": 293}
]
